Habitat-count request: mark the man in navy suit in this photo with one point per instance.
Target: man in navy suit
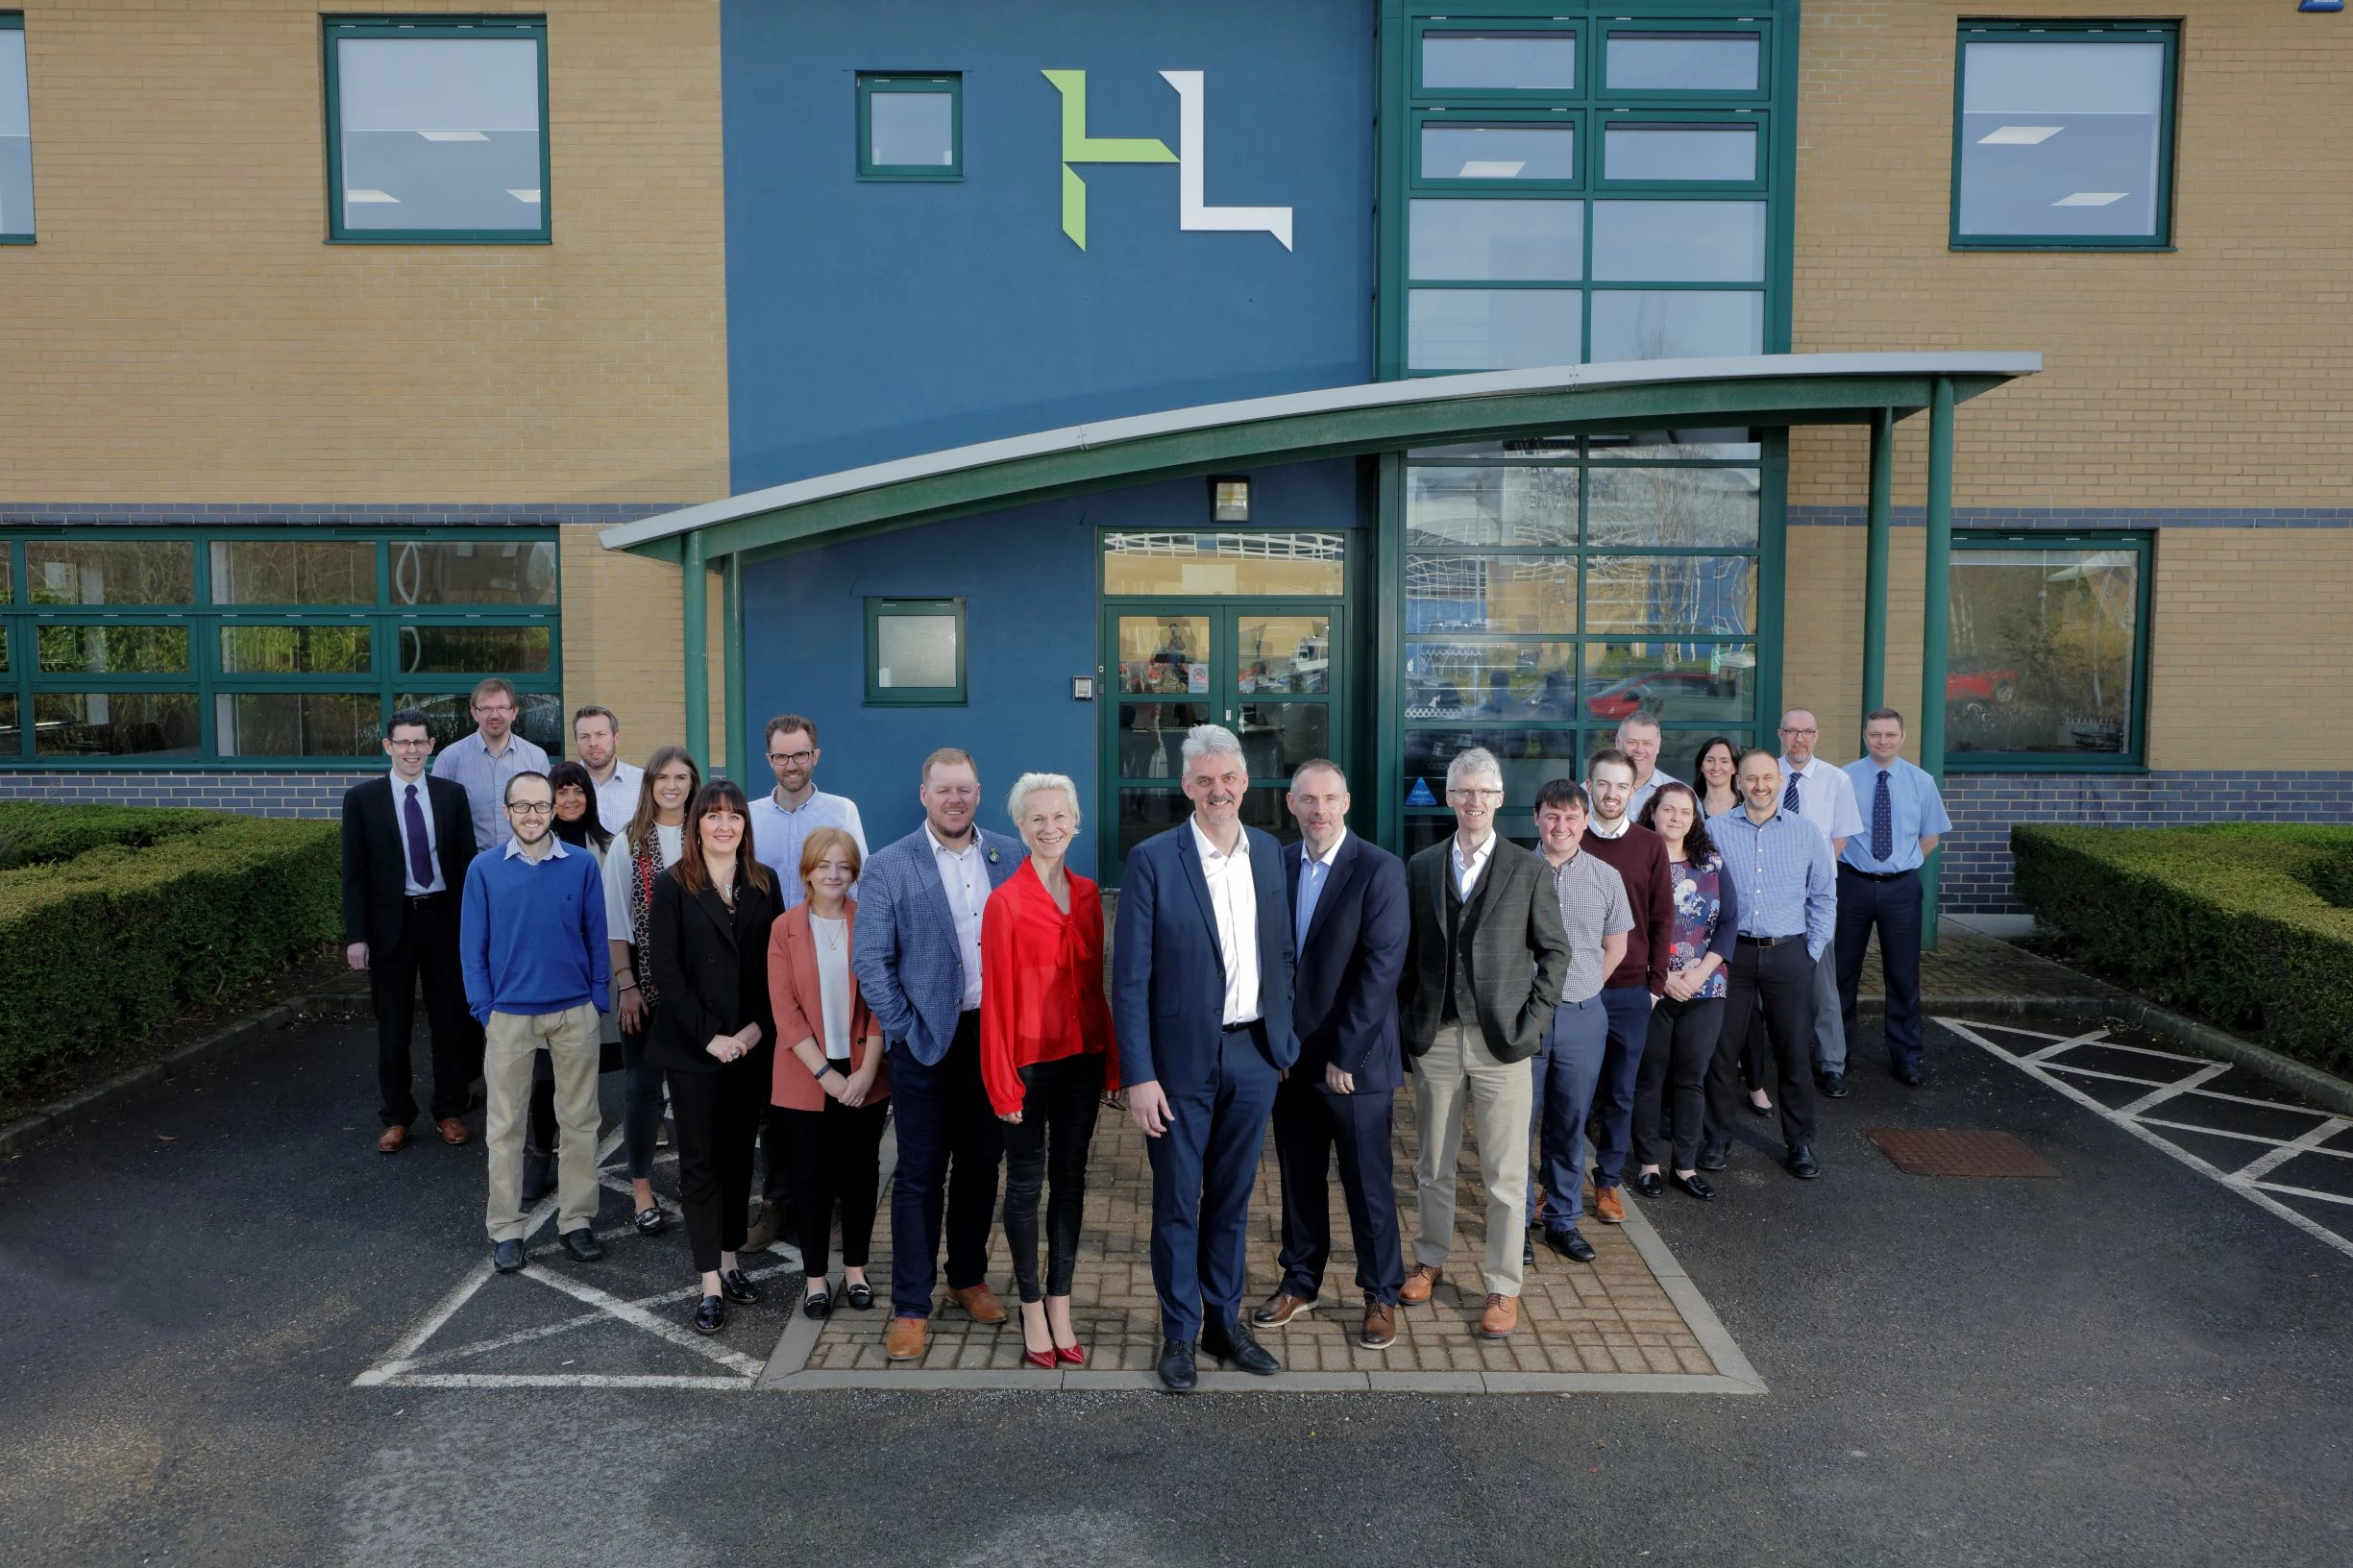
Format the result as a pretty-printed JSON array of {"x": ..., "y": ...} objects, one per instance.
[
  {"x": 916, "y": 955},
  {"x": 1201, "y": 998},
  {"x": 1350, "y": 926}
]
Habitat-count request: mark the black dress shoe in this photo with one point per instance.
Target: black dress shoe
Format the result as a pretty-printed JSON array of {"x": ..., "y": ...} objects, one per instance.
[
  {"x": 1715, "y": 1156},
  {"x": 817, "y": 1303},
  {"x": 1528, "y": 1252},
  {"x": 650, "y": 1222},
  {"x": 1912, "y": 1073},
  {"x": 539, "y": 1177},
  {"x": 1176, "y": 1369},
  {"x": 736, "y": 1289},
  {"x": 710, "y": 1315},
  {"x": 1833, "y": 1084},
  {"x": 1648, "y": 1185},
  {"x": 507, "y": 1256},
  {"x": 582, "y": 1246},
  {"x": 861, "y": 1295},
  {"x": 1570, "y": 1245},
  {"x": 1233, "y": 1344},
  {"x": 1694, "y": 1183},
  {"x": 1801, "y": 1163}
]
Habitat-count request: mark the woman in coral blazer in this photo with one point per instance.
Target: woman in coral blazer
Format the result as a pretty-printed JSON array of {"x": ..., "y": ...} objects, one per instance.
[{"x": 830, "y": 1081}]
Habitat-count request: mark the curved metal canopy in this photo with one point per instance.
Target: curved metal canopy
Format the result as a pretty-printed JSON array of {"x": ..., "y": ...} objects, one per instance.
[{"x": 1298, "y": 427}]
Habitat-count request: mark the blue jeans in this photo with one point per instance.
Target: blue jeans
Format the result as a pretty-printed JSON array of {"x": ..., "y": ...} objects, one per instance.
[
  {"x": 1565, "y": 1070},
  {"x": 1629, "y": 1035}
]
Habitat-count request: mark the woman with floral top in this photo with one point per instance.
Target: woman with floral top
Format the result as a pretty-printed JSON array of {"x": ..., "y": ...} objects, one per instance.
[{"x": 1688, "y": 1019}]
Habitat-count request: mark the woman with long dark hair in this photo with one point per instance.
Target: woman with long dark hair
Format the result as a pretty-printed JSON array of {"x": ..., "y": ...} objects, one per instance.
[
  {"x": 715, "y": 1032},
  {"x": 649, "y": 845},
  {"x": 1689, "y": 1018}
]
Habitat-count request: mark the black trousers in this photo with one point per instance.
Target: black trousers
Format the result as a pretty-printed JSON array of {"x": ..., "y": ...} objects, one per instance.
[
  {"x": 1679, "y": 1054},
  {"x": 949, "y": 1146},
  {"x": 1049, "y": 1144},
  {"x": 776, "y": 1162},
  {"x": 1779, "y": 981},
  {"x": 425, "y": 954},
  {"x": 836, "y": 1156},
  {"x": 718, "y": 1117},
  {"x": 1893, "y": 905},
  {"x": 1312, "y": 1123}
]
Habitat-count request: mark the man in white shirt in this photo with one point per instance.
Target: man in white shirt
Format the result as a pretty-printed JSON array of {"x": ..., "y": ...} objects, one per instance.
[
  {"x": 783, "y": 819},
  {"x": 596, "y": 735},
  {"x": 1825, "y": 796},
  {"x": 1639, "y": 738}
]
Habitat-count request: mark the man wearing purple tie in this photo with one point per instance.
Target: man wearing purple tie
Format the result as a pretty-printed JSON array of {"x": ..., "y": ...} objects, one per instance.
[
  {"x": 408, "y": 840},
  {"x": 1878, "y": 884}
]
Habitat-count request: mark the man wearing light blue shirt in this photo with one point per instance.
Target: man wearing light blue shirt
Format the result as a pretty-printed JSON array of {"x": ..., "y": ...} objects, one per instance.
[
  {"x": 1878, "y": 884},
  {"x": 1817, "y": 792},
  {"x": 1786, "y": 891},
  {"x": 487, "y": 760}
]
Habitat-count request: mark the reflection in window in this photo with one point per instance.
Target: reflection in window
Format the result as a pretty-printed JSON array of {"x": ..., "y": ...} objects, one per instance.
[
  {"x": 295, "y": 724},
  {"x": 15, "y": 133},
  {"x": 1452, "y": 150},
  {"x": 2061, "y": 140},
  {"x": 2045, "y": 652},
  {"x": 1675, "y": 324},
  {"x": 1496, "y": 241},
  {"x": 1302, "y": 565},
  {"x": 1492, "y": 593},
  {"x": 1673, "y": 508},
  {"x": 113, "y": 651},
  {"x": 1648, "y": 151},
  {"x": 284, "y": 571},
  {"x": 1500, "y": 62},
  {"x": 1163, "y": 655},
  {"x": 449, "y": 717},
  {"x": 1683, "y": 61},
  {"x": 1679, "y": 242},
  {"x": 439, "y": 135},
  {"x": 1681, "y": 682},
  {"x": 1152, "y": 737},
  {"x": 1492, "y": 328},
  {"x": 114, "y": 723},
  {"x": 473, "y": 571},
  {"x": 1490, "y": 506},
  {"x": 12, "y": 733},
  {"x": 1277, "y": 737},
  {"x": 1283, "y": 654},
  {"x": 77, "y": 573},
  {"x": 1712, "y": 594},
  {"x": 1529, "y": 757},
  {"x": 1490, "y": 681},
  {"x": 295, "y": 650},
  {"x": 475, "y": 651}
]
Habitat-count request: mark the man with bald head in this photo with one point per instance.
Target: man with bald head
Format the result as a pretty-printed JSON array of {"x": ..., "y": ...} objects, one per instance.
[{"x": 1825, "y": 796}]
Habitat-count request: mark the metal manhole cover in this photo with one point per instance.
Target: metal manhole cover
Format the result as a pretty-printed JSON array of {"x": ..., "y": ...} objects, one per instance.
[{"x": 1958, "y": 1151}]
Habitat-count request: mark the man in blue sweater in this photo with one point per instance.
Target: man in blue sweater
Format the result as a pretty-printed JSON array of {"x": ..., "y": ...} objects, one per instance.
[{"x": 532, "y": 935}]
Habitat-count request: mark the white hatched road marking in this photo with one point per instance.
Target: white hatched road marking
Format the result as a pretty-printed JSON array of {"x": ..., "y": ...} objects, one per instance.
[{"x": 2246, "y": 1179}]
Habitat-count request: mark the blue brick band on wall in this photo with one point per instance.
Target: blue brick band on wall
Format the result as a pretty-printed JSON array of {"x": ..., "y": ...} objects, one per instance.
[
  {"x": 252, "y": 794},
  {"x": 2020, "y": 519},
  {"x": 1976, "y": 869}
]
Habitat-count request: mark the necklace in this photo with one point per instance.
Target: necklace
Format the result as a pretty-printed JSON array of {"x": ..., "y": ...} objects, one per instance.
[{"x": 824, "y": 931}]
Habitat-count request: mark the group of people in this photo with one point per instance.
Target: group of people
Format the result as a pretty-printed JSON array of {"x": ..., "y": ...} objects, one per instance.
[{"x": 750, "y": 966}]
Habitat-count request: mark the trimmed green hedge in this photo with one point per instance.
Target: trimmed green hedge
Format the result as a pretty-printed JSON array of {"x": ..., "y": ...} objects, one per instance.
[
  {"x": 106, "y": 947},
  {"x": 37, "y": 833},
  {"x": 2245, "y": 924}
]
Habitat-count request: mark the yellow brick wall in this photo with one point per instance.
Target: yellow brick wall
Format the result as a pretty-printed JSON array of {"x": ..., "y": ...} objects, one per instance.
[{"x": 624, "y": 648}]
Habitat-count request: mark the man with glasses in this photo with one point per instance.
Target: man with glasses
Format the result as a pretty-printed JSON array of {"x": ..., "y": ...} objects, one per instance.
[
  {"x": 408, "y": 840},
  {"x": 781, "y": 822},
  {"x": 1484, "y": 969},
  {"x": 595, "y": 734},
  {"x": 537, "y": 974},
  {"x": 1825, "y": 796},
  {"x": 484, "y": 760}
]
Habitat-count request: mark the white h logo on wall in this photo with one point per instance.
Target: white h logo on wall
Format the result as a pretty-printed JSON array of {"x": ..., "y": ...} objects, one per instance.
[{"x": 1191, "y": 158}]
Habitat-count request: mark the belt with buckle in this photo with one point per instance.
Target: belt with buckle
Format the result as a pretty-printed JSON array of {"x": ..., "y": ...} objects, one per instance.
[
  {"x": 1877, "y": 876},
  {"x": 1748, "y": 940}
]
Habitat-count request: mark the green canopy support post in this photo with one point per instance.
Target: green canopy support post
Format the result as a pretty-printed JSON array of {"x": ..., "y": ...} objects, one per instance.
[
  {"x": 694, "y": 616},
  {"x": 740, "y": 754},
  {"x": 1935, "y": 626},
  {"x": 1874, "y": 559}
]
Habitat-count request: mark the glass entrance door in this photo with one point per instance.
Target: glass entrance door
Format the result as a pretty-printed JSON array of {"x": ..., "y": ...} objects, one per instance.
[{"x": 1270, "y": 671}]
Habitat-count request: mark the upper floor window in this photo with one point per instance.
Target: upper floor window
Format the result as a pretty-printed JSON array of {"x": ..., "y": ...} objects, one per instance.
[
  {"x": 437, "y": 129},
  {"x": 2063, "y": 135},
  {"x": 910, "y": 126},
  {"x": 15, "y": 133}
]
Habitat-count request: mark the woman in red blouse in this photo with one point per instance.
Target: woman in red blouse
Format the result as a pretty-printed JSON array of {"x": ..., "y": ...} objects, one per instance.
[{"x": 1045, "y": 1052}]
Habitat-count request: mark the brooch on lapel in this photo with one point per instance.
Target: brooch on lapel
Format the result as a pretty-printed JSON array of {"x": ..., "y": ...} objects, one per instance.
[{"x": 992, "y": 854}]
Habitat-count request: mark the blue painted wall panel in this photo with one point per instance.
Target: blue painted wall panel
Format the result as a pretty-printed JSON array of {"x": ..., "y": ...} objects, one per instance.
[{"x": 872, "y": 320}]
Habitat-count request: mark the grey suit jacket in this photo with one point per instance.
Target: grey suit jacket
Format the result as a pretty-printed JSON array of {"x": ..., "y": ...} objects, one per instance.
[
  {"x": 904, "y": 951},
  {"x": 1519, "y": 952}
]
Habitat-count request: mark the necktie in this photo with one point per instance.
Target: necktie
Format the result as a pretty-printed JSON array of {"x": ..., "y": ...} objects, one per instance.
[
  {"x": 420, "y": 853},
  {"x": 1789, "y": 797},
  {"x": 1882, "y": 821}
]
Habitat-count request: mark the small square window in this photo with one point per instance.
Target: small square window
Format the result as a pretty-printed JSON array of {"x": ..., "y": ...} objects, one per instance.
[
  {"x": 437, "y": 130},
  {"x": 910, "y": 126},
  {"x": 2062, "y": 136},
  {"x": 914, "y": 652}
]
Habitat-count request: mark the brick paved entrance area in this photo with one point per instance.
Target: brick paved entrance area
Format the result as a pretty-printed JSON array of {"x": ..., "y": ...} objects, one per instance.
[{"x": 1630, "y": 1321}]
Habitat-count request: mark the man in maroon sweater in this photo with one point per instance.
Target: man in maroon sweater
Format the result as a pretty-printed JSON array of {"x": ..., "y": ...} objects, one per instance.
[{"x": 1639, "y": 856}]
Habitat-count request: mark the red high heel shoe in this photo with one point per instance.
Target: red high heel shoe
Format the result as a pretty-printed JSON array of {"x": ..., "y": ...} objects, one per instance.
[
  {"x": 1071, "y": 1354},
  {"x": 1045, "y": 1360}
]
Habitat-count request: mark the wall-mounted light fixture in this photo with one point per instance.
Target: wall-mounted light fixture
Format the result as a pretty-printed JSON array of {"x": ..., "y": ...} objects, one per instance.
[{"x": 1228, "y": 500}]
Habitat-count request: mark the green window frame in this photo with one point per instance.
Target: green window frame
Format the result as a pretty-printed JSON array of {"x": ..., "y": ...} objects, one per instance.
[
  {"x": 1976, "y": 680},
  {"x": 882, "y": 691},
  {"x": 16, "y": 161},
  {"x": 2079, "y": 34},
  {"x": 214, "y": 652},
  {"x": 336, "y": 30},
  {"x": 882, "y": 83}
]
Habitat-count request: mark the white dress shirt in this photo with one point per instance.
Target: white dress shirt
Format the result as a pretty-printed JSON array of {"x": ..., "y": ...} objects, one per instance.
[
  {"x": 617, "y": 797},
  {"x": 401, "y": 788},
  {"x": 1467, "y": 871},
  {"x": 966, "y": 881},
  {"x": 1234, "y": 899},
  {"x": 1826, "y": 799}
]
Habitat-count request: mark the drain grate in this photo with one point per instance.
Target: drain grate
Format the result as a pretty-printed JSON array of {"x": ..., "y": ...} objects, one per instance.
[{"x": 1958, "y": 1151}]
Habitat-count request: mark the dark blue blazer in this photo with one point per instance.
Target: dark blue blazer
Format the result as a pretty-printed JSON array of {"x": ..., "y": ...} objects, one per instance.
[
  {"x": 1168, "y": 974},
  {"x": 1344, "y": 1002}
]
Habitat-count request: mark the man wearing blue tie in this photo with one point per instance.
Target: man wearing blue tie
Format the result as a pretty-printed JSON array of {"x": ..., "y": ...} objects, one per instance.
[{"x": 1878, "y": 884}]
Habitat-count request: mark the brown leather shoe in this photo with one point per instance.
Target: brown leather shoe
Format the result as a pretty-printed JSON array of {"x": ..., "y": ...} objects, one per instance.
[
  {"x": 904, "y": 1340},
  {"x": 1420, "y": 1280},
  {"x": 392, "y": 1141},
  {"x": 1502, "y": 1317},
  {"x": 1280, "y": 1309},
  {"x": 453, "y": 1129},
  {"x": 1610, "y": 1206},
  {"x": 1380, "y": 1326},
  {"x": 981, "y": 1301}
]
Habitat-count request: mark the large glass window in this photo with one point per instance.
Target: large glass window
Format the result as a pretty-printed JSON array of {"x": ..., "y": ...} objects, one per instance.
[
  {"x": 2064, "y": 134},
  {"x": 15, "y": 133},
  {"x": 910, "y": 126},
  {"x": 438, "y": 129},
  {"x": 2048, "y": 650}
]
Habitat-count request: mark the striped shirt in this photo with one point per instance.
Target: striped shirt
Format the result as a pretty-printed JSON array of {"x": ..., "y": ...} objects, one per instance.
[{"x": 1783, "y": 879}]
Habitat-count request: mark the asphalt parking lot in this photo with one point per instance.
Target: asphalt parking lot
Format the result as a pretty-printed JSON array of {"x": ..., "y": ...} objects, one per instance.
[{"x": 2133, "y": 1362}]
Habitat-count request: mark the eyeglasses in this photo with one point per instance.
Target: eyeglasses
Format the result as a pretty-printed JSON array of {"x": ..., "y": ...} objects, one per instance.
[
  {"x": 1787, "y": 729},
  {"x": 780, "y": 758},
  {"x": 531, "y": 808},
  {"x": 409, "y": 746},
  {"x": 1474, "y": 795}
]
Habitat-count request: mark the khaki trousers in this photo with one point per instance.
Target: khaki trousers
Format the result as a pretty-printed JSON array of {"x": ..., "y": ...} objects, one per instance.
[
  {"x": 1459, "y": 1067},
  {"x": 570, "y": 1040}
]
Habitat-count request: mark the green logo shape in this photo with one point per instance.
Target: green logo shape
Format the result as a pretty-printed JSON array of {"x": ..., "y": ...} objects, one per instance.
[{"x": 1078, "y": 147}]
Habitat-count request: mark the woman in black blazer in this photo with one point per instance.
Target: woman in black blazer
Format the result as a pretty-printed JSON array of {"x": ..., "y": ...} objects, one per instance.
[{"x": 715, "y": 1034}]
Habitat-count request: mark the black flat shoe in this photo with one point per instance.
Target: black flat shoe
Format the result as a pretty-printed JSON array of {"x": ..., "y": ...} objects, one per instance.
[
  {"x": 817, "y": 1303},
  {"x": 1232, "y": 1344},
  {"x": 1833, "y": 1084},
  {"x": 860, "y": 1294},
  {"x": 539, "y": 1177},
  {"x": 710, "y": 1315},
  {"x": 1696, "y": 1185},
  {"x": 1570, "y": 1245},
  {"x": 1911, "y": 1074},
  {"x": 736, "y": 1289},
  {"x": 1528, "y": 1252},
  {"x": 1801, "y": 1163},
  {"x": 1177, "y": 1372},
  {"x": 1648, "y": 1185},
  {"x": 506, "y": 1257},
  {"x": 583, "y": 1247},
  {"x": 1715, "y": 1156},
  {"x": 1756, "y": 1110},
  {"x": 650, "y": 1222}
]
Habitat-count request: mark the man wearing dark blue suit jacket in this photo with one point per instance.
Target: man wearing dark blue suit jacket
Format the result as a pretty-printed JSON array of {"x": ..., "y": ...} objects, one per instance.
[
  {"x": 1350, "y": 926},
  {"x": 1201, "y": 998}
]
